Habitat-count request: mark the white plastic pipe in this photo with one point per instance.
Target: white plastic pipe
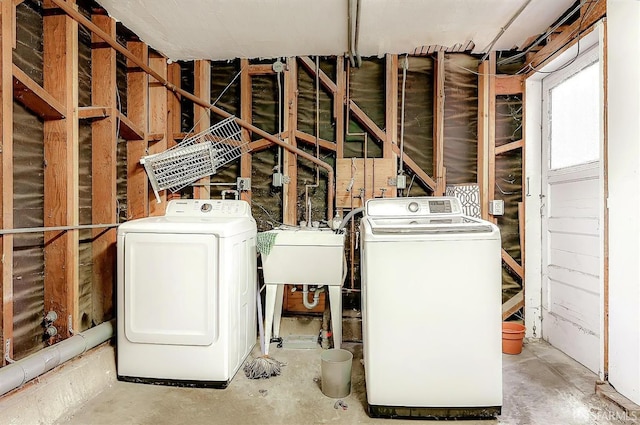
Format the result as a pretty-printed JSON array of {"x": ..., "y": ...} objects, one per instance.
[
  {"x": 316, "y": 296},
  {"x": 24, "y": 370}
]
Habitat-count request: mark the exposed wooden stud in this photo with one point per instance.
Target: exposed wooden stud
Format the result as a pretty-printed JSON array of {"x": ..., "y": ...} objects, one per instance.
[
  {"x": 61, "y": 170},
  {"x": 173, "y": 104},
  {"x": 509, "y": 84},
  {"x": 6, "y": 178},
  {"x": 246, "y": 115},
  {"x": 438, "y": 126},
  {"x": 512, "y": 305},
  {"x": 290, "y": 159},
  {"x": 483, "y": 137},
  {"x": 35, "y": 98},
  {"x": 201, "y": 116},
  {"x": 338, "y": 105},
  {"x": 158, "y": 120},
  {"x": 491, "y": 141},
  {"x": 103, "y": 171},
  {"x": 391, "y": 101},
  {"x": 137, "y": 111},
  {"x": 174, "y": 115},
  {"x": 507, "y": 147},
  {"x": 93, "y": 112}
]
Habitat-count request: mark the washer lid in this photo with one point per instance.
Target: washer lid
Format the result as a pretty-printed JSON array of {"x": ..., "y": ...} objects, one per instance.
[{"x": 429, "y": 225}]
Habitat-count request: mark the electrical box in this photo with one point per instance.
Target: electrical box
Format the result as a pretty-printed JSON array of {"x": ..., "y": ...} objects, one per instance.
[
  {"x": 243, "y": 184},
  {"x": 277, "y": 180},
  {"x": 496, "y": 207}
]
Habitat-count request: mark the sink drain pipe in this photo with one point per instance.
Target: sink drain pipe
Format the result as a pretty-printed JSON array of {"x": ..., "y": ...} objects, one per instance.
[{"x": 22, "y": 371}]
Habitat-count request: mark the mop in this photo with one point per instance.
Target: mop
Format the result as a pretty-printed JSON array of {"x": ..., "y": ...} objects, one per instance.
[{"x": 262, "y": 367}]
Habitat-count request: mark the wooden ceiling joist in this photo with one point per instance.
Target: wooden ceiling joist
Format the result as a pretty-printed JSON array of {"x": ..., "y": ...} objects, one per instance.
[
  {"x": 35, "y": 98},
  {"x": 592, "y": 12}
]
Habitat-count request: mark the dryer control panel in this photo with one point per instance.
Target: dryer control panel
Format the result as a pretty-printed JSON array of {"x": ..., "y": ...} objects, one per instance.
[
  {"x": 208, "y": 208},
  {"x": 417, "y": 206}
]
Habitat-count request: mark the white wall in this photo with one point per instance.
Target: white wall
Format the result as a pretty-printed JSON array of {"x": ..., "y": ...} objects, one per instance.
[{"x": 623, "y": 62}]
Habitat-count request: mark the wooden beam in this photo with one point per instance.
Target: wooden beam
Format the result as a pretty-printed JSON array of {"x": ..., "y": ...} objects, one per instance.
[
  {"x": 35, "y": 98},
  {"x": 137, "y": 111},
  {"x": 513, "y": 264},
  {"x": 325, "y": 81},
  {"x": 419, "y": 172},
  {"x": 509, "y": 84},
  {"x": 93, "y": 112},
  {"x": 6, "y": 178},
  {"x": 391, "y": 113},
  {"x": 491, "y": 141},
  {"x": 104, "y": 163},
  {"x": 593, "y": 13},
  {"x": 261, "y": 69},
  {"x": 260, "y": 145},
  {"x": 201, "y": 116},
  {"x": 438, "y": 126},
  {"x": 367, "y": 122},
  {"x": 246, "y": 115},
  {"x": 60, "y": 48},
  {"x": 128, "y": 130},
  {"x": 174, "y": 107},
  {"x": 507, "y": 147},
  {"x": 311, "y": 139},
  {"x": 290, "y": 159},
  {"x": 512, "y": 305},
  {"x": 338, "y": 105},
  {"x": 158, "y": 121},
  {"x": 174, "y": 112},
  {"x": 483, "y": 137}
]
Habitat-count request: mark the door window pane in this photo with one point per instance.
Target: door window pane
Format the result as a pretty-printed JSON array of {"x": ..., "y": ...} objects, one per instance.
[{"x": 575, "y": 119}]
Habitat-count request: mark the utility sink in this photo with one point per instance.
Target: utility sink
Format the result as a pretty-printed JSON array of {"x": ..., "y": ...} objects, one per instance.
[
  {"x": 308, "y": 257},
  {"x": 305, "y": 256}
]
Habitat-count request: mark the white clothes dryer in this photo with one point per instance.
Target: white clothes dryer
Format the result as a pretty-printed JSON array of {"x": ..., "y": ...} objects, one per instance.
[
  {"x": 186, "y": 293},
  {"x": 431, "y": 304}
]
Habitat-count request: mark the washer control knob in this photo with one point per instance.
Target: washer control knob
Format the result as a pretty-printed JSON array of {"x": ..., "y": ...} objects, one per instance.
[
  {"x": 413, "y": 207},
  {"x": 206, "y": 207}
]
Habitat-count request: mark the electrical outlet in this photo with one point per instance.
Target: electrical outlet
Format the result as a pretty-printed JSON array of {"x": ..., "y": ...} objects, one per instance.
[
  {"x": 496, "y": 207},
  {"x": 243, "y": 184}
]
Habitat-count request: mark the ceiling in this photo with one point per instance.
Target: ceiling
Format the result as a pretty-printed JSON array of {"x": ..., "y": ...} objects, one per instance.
[{"x": 228, "y": 29}]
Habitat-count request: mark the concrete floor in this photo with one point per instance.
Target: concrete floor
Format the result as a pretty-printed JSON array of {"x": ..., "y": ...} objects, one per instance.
[{"x": 541, "y": 386}]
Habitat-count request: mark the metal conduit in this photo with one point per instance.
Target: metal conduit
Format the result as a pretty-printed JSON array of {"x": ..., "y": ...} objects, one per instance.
[{"x": 22, "y": 371}]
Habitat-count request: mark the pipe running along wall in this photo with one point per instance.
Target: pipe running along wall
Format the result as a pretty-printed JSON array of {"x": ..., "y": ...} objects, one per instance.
[
  {"x": 78, "y": 17},
  {"x": 22, "y": 371}
]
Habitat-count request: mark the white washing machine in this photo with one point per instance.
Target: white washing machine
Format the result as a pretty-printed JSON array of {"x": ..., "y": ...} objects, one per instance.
[
  {"x": 432, "y": 309},
  {"x": 186, "y": 293}
]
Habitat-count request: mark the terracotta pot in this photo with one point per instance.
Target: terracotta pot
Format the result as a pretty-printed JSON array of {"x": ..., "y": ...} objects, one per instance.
[{"x": 512, "y": 336}]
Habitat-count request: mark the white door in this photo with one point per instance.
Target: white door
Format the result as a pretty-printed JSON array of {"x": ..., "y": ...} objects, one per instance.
[{"x": 572, "y": 210}]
